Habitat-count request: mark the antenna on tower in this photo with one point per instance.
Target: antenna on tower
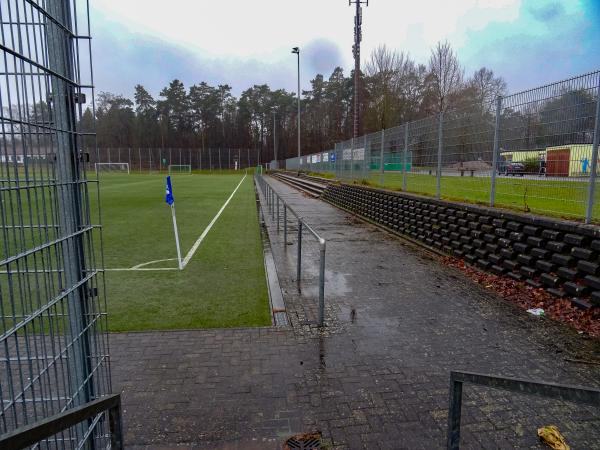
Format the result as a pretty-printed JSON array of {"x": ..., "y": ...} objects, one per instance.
[{"x": 356, "y": 54}]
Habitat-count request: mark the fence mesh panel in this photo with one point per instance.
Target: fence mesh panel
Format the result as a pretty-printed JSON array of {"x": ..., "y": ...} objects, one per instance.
[
  {"x": 539, "y": 141},
  {"x": 54, "y": 343},
  {"x": 153, "y": 160}
]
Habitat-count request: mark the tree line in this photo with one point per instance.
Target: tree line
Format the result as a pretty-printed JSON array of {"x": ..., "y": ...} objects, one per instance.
[{"x": 394, "y": 89}]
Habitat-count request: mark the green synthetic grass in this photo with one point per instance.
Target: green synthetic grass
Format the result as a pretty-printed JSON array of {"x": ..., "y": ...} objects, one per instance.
[
  {"x": 224, "y": 284},
  {"x": 556, "y": 198}
]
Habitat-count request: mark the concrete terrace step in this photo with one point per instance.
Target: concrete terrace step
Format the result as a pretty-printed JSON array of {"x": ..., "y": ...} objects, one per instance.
[{"x": 312, "y": 188}]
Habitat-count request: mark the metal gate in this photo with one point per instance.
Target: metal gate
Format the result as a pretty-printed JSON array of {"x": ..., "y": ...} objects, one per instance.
[{"x": 53, "y": 338}]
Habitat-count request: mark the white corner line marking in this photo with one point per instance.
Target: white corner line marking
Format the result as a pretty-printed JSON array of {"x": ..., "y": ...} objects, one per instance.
[
  {"x": 139, "y": 266},
  {"x": 190, "y": 254}
]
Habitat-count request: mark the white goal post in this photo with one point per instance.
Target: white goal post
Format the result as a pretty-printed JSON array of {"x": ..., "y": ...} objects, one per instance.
[
  {"x": 180, "y": 168},
  {"x": 112, "y": 167}
]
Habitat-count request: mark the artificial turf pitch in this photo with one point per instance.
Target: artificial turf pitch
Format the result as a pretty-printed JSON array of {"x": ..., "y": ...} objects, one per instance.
[{"x": 224, "y": 283}]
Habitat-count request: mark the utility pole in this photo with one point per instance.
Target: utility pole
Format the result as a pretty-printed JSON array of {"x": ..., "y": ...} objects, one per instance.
[{"x": 356, "y": 53}]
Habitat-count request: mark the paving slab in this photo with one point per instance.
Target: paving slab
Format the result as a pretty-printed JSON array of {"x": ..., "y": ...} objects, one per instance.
[{"x": 376, "y": 376}]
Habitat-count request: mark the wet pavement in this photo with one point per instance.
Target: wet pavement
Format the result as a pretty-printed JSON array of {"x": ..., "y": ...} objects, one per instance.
[{"x": 377, "y": 376}]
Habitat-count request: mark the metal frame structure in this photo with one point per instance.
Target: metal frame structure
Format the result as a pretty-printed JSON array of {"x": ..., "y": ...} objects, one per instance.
[
  {"x": 549, "y": 390},
  {"x": 54, "y": 354},
  {"x": 273, "y": 201},
  {"x": 32, "y": 434}
]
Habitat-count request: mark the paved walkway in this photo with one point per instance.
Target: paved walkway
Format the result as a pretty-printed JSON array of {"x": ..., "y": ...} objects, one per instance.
[{"x": 377, "y": 377}]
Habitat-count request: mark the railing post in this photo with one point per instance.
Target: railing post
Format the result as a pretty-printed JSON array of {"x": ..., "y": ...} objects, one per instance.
[
  {"x": 453, "y": 440},
  {"x": 284, "y": 226},
  {"x": 278, "y": 214},
  {"x": 594, "y": 166},
  {"x": 405, "y": 156},
  {"x": 381, "y": 163},
  {"x": 299, "y": 264},
  {"x": 140, "y": 158},
  {"x": 114, "y": 424},
  {"x": 322, "y": 282},
  {"x": 438, "y": 181},
  {"x": 496, "y": 154}
]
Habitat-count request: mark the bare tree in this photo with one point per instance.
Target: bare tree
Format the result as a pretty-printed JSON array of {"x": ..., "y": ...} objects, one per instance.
[
  {"x": 446, "y": 73},
  {"x": 486, "y": 86}
]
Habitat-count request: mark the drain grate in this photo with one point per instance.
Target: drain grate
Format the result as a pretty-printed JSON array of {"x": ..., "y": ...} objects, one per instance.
[{"x": 306, "y": 441}]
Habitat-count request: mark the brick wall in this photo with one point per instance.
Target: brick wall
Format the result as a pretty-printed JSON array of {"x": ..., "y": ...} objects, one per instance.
[{"x": 561, "y": 256}]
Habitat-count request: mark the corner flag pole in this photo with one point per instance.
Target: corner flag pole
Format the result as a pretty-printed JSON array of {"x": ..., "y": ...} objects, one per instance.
[
  {"x": 171, "y": 202},
  {"x": 176, "y": 236}
]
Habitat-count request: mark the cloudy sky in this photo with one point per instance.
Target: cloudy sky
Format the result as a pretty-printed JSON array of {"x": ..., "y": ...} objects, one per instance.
[{"x": 240, "y": 42}]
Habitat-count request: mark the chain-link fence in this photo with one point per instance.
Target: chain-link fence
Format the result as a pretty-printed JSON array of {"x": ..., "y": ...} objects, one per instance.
[
  {"x": 148, "y": 160},
  {"x": 535, "y": 151},
  {"x": 54, "y": 343}
]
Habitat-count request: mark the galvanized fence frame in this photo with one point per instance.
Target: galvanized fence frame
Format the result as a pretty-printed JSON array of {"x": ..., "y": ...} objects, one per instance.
[
  {"x": 54, "y": 353},
  {"x": 573, "y": 394},
  {"x": 278, "y": 209},
  {"x": 535, "y": 150}
]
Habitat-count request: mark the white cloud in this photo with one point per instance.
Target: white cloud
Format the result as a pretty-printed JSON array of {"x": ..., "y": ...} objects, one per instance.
[{"x": 266, "y": 29}]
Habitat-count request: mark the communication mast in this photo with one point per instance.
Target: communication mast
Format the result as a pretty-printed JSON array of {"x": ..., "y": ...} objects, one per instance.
[{"x": 356, "y": 53}]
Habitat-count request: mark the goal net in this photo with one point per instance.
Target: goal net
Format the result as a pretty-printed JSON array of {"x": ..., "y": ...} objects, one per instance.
[
  {"x": 180, "y": 168},
  {"x": 112, "y": 167}
]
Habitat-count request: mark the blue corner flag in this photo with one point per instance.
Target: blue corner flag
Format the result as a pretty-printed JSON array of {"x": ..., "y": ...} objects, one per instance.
[{"x": 169, "y": 197}]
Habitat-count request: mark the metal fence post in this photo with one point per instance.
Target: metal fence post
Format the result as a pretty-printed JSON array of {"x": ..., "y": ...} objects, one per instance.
[
  {"x": 594, "y": 166},
  {"x": 405, "y": 156},
  {"x": 496, "y": 153},
  {"x": 322, "y": 282},
  {"x": 278, "y": 214},
  {"x": 453, "y": 439},
  {"x": 69, "y": 196},
  {"x": 352, "y": 161},
  {"x": 220, "y": 167},
  {"x": 381, "y": 162},
  {"x": 366, "y": 159},
  {"x": 140, "y": 158},
  {"x": 299, "y": 262},
  {"x": 438, "y": 181}
]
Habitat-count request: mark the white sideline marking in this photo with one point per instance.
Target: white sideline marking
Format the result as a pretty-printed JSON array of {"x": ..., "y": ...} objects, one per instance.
[
  {"x": 190, "y": 254},
  {"x": 141, "y": 270}
]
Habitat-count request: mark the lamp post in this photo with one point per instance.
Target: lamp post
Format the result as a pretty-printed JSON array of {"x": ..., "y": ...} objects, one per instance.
[
  {"x": 275, "y": 140},
  {"x": 296, "y": 50}
]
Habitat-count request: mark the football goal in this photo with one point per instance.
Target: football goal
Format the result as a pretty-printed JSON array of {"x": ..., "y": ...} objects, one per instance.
[
  {"x": 180, "y": 168},
  {"x": 112, "y": 167}
]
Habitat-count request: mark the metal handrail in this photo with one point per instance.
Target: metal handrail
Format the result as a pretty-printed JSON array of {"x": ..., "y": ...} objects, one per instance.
[
  {"x": 31, "y": 434},
  {"x": 573, "y": 394},
  {"x": 273, "y": 200}
]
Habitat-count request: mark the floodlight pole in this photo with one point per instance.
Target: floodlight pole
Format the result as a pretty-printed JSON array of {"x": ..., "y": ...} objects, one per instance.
[
  {"x": 296, "y": 50},
  {"x": 275, "y": 140}
]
